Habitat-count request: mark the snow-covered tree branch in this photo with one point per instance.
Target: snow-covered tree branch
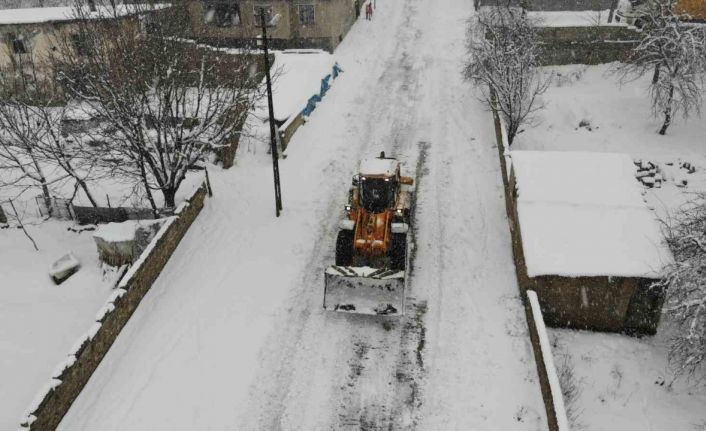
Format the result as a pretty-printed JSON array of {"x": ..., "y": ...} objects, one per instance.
[
  {"x": 31, "y": 140},
  {"x": 503, "y": 49},
  {"x": 674, "y": 52},
  {"x": 166, "y": 102},
  {"x": 686, "y": 287}
]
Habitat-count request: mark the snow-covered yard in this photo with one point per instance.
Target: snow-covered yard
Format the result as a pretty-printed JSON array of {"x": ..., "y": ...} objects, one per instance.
[
  {"x": 588, "y": 110},
  {"x": 40, "y": 321},
  {"x": 624, "y": 383}
]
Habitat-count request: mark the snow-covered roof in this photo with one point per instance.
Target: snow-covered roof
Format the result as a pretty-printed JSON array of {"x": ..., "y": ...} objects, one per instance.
[
  {"x": 376, "y": 166},
  {"x": 67, "y": 13},
  {"x": 582, "y": 214}
]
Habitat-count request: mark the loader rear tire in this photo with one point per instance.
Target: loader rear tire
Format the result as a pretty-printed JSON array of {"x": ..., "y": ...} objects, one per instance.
[
  {"x": 344, "y": 248},
  {"x": 398, "y": 251}
]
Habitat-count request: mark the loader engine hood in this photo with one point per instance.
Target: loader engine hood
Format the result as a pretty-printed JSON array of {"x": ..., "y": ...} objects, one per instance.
[{"x": 372, "y": 232}]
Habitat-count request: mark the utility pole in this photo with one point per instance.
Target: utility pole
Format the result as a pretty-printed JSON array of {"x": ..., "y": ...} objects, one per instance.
[{"x": 273, "y": 140}]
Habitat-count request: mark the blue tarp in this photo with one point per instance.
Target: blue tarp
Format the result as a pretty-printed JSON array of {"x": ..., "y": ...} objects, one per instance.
[{"x": 325, "y": 85}]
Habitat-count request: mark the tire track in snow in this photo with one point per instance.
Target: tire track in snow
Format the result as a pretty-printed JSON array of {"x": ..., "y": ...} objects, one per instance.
[
  {"x": 382, "y": 389},
  {"x": 289, "y": 354}
]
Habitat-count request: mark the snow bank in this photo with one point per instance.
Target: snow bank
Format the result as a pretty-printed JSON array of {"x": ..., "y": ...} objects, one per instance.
[
  {"x": 545, "y": 347},
  {"x": 582, "y": 214}
]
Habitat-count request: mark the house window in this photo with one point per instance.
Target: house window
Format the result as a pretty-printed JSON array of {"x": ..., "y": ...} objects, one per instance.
[
  {"x": 306, "y": 14},
  {"x": 222, "y": 13},
  {"x": 268, "y": 14},
  {"x": 17, "y": 43}
]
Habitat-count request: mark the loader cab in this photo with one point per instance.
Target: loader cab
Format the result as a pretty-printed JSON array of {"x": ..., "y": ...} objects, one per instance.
[
  {"x": 377, "y": 193},
  {"x": 378, "y": 184}
]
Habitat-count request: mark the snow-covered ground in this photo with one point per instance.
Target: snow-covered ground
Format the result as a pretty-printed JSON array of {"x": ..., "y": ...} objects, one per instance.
[
  {"x": 40, "y": 321},
  {"x": 623, "y": 383},
  {"x": 587, "y": 18},
  {"x": 233, "y": 334},
  {"x": 617, "y": 118}
]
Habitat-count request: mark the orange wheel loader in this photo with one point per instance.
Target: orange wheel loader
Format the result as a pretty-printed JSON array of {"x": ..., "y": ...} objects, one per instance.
[{"x": 371, "y": 247}]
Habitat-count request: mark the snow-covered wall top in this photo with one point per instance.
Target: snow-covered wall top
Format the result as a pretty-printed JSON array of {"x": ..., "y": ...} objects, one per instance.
[
  {"x": 548, "y": 360},
  {"x": 582, "y": 214}
]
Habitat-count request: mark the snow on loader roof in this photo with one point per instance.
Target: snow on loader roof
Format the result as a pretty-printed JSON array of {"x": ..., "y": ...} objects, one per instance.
[
  {"x": 378, "y": 166},
  {"x": 582, "y": 214}
]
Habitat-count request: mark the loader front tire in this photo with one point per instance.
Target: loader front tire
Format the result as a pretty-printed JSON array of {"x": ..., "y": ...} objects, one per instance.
[
  {"x": 398, "y": 251},
  {"x": 344, "y": 248}
]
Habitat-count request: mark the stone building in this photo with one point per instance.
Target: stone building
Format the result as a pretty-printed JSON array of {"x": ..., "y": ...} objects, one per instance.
[
  {"x": 586, "y": 242},
  {"x": 303, "y": 24},
  {"x": 36, "y": 34}
]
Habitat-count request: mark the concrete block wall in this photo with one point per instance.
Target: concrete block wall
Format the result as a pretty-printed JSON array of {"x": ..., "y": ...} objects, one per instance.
[{"x": 586, "y": 45}]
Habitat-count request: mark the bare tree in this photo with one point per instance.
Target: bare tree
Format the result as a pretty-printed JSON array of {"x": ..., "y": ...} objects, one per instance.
[
  {"x": 165, "y": 101},
  {"x": 686, "y": 289},
  {"x": 675, "y": 54},
  {"x": 20, "y": 165},
  {"x": 503, "y": 49},
  {"x": 31, "y": 141}
]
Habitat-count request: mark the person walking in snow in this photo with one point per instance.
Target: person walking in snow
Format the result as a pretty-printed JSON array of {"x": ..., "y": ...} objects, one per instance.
[{"x": 369, "y": 11}]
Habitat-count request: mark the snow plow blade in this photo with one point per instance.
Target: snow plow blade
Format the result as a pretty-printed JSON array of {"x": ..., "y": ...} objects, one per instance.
[{"x": 364, "y": 290}]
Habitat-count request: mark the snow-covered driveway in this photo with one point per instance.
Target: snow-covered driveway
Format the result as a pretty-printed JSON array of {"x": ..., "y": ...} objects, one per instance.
[{"x": 232, "y": 336}]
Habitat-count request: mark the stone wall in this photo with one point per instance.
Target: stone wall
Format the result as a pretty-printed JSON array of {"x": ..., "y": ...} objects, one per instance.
[
  {"x": 542, "y": 373},
  {"x": 88, "y": 353},
  {"x": 554, "y": 5},
  {"x": 226, "y": 154},
  {"x": 586, "y": 45},
  {"x": 289, "y": 128}
]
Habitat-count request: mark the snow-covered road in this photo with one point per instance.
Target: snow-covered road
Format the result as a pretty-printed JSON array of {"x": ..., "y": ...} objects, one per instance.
[{"x": 233, "y": 336}]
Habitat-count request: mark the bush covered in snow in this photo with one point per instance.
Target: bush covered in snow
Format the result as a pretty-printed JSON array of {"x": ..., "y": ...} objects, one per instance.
[{"x": 686, "y": 282}]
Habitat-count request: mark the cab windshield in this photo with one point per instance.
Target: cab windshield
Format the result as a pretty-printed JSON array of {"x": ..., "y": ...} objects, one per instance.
[{"x": 378, "y": 194}]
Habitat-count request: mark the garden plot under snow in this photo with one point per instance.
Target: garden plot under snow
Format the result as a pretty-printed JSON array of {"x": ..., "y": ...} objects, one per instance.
[
  {"x": 624, "y": 383},
  {"x": 40, "y": 321},
  {"x": 620, "y": 382}
]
